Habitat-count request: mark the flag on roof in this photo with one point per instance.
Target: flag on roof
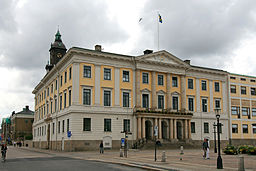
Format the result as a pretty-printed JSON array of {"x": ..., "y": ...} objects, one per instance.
[{"x": 160, "y": 18}]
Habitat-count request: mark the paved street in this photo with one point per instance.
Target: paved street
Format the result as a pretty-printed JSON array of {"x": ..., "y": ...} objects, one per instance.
[{"x": 20, "y": 159}]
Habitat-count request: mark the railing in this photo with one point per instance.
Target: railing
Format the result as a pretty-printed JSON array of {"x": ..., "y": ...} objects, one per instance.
[
  {"x": 163, "y": 111},
  {"x": 139, "y": 143}
]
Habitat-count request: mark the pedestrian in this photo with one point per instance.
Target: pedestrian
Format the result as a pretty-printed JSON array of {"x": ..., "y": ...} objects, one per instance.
[
  {"x": 208, "y": 149},
  {"x": 101, "y": 147},
  {"x": 205, "y": 146}
]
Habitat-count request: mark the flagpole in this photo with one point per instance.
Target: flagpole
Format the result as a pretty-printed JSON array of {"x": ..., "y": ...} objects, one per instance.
[{"x": 157, "y": 31}]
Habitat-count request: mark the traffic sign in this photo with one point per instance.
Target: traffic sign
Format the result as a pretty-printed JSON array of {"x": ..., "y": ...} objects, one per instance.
[
  {"x": 122, "y": 142},
  {"x": 69, "y": 134}
]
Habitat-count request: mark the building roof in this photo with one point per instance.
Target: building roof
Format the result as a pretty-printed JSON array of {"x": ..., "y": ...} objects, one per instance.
[{"x": 25, "y": 111}]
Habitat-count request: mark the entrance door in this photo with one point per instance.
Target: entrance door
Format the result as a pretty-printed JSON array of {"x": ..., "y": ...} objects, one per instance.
[
  {"x": 148, "y": 127},
  {"x": 164, "y": 130},
  {"x": 179, "y": 131},
  {"x": 48, "y": 136}
]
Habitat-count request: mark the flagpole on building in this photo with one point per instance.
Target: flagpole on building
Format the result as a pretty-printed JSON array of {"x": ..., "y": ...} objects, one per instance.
[{"x": 157, "y": 31}]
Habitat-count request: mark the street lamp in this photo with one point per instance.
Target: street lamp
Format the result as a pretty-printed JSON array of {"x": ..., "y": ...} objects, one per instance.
[
  {"x": 214, "y": 133},
  {"x": 219, "y": 159}
]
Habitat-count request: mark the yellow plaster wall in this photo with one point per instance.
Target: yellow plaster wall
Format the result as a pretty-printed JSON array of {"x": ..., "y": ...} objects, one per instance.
[
  {"x": 191, "y": 92},
  {"x": 161, "y": 87}
]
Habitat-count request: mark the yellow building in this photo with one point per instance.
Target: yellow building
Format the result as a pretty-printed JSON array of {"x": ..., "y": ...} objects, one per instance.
[
  {"x": 94, "y": 95},
  {"x": 242, "y": 108}
]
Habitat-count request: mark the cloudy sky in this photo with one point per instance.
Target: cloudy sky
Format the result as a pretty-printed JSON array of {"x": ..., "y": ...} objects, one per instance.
[{"x": 213, "y": 33}]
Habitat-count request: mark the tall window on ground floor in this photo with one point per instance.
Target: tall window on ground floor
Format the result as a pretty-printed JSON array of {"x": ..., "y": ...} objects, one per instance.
[
  {"x": 107, "y": 125},
  {"x": 145, "y": 101},
  {"x": 245, "y": 128},
  {"x": 125, "y": 99},
  {"x": 53, "y": 127},
  {"x": 87, "y": 124},
  {"x": 59, "y": 127},
  {"x": 175, "y": 103},
  {"x": 191, "y": 104},
  {"x": 126, "y": 125},
  {"x": 67, "y": 125},
  {"x": 234, "y": 128},
  {"x": 160, "y": 101},
  {"x": 193, "y": 127},
  {"x": 206, "y": 127},
  {"x": 254, "y": 128},
  {"x": 63, "y": 125}
]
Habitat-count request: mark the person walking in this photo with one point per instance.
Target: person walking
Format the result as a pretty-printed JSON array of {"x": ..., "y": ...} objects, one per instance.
[
  {"x": 205, "y": 147},
  {"x": 101, "y": 147},
  {"x": 3, "y": 151},
  {"x": 208, "y": 149}
]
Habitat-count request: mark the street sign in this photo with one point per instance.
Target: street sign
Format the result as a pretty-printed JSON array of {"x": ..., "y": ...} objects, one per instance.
[
  {"x": 0, "y": 138},
  {"x": 156, "y": 131},
  {"x": 122, "y": 142},
  {"x": 69, "y": 134}
]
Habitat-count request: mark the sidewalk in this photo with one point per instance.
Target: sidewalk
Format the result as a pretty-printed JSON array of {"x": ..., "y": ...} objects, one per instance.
[{"x": 191, "y": 159}]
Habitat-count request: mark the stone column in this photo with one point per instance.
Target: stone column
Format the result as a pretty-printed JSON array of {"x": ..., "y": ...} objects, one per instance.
[
  {"x": 171, "y": 129},
  {"x": 137, "y": 87},
  {"x": 183, "y": 92},
  {"x": 139, "y": 127},
  {"x": 153, "y": 86},
  {"x": 168, "y": 91},
  {"x": 160, "y": 128},
  {"x": 174, "y": 128},
  {"x": 185, "y": 129},
  {"x": 189, "y": 129},
  {"x": 143, "y": 128}
]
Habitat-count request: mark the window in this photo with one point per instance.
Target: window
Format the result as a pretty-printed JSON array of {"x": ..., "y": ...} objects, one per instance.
[
  {"x": 125, "y": 76},
  {"x": 67, "y": 125},
  {"x": 217, "y": 86},
  {"x": 145, "y": 101},
  {"x": 190, "y": 84},
  {"x": 203, "y": 82},
  {"x": 47, "y": 108},
  {"x": 232, "y": 88},
  {"x": 52, "y": 88},
  {"x": 107, "y": 98},
  {"x": 204, "y": 105},
  {"x": 254, "y": 128},
  {"x": 51, "y": 106},
  {"x": 60, "y": 80},
  {"x": 87, "y": 124},
  {"x": 220, "y": 127},
  {"x": 174, "y": 81},
  {"x": 125, "y": 99},
  {"x": 191, "y": 104},
  {"x": 60, "y": 102},
  {"x": 59, "y": 127},
  {"x": 234, "y": 128},
  {"x": 107, "y": 74},
  {"x": 42, "y": 130},
  {"x": 107, "y": 125},
  {"x": 193, "y": 127},
  {"x": 48, "y": 91},
  {"x": 126, "y": 125},
  {"x": 242, "y": 79},
  {"x": 232, "y": 78},
  {"x": 253, "y": 91},
  {"x": 160, "y": 102},
  {"x": 235, "y": 110},
  {"x": 65, "y": 77},
  {"x": 243, "y": 90},
  {"x": 69, "y": 97},
  {"x": 217, "y": 103},
  {"x": 63, "y": 125},
  {"x": 253, "y": 111},
  {"x": 145, "y": 78},
  {"x": 87, "y": 96},
  {"x": 56, "y": 84},
  {"x": 87, "y": 71},
  {"x": 65, "y": 99},
  {"x": 53, "y": 125},
  {"x": 70, "y": 73},
  {"x": 245, "y": 128},
  {"x": 245, "y": 111},
  {"x": 253, "y": 81},
  {"x": 55, "y": 105},
  {"x": 160, "y": 80},
  {"x": 206, "y": 127},
  {"x": 175, "y": 103}
]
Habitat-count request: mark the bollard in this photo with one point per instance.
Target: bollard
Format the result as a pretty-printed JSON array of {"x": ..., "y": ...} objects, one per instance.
[
  {"x": 121, "y": 153},
  {"x": 181, "y": 152},
  {"x": 163, "y": 157},
  {"x": 241, "y": 163}
]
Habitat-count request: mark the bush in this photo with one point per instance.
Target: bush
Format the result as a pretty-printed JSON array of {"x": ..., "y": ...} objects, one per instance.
[
  {"x": 252, "y": 150},
  {"x": 230, "y": 149},
  {"x": 243, "y": 149},
  {"x": 29, "y": 137}
]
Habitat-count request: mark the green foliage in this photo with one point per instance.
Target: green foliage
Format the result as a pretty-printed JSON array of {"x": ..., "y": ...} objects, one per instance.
[
  {"x": 29, "y": 137},
  {"x": 251, "y": 150},
  {"x": 230, "y": 149},
  {"x": 243, "y": 149}
]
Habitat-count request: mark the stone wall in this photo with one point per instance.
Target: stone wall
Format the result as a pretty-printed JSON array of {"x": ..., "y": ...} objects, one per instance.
[{"x": 237, "y": 142}]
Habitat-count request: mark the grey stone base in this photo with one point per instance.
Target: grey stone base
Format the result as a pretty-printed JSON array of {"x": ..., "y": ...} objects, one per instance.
[{"x": 238, "y": 142}]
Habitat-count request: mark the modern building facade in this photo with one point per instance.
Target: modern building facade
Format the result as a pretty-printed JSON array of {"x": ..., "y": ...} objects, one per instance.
[
  {"x": 96, "y": 95},
  {"x": 243, "y": 109}
]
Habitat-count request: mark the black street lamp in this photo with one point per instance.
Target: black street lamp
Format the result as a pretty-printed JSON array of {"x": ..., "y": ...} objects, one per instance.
[
  {"x": 214, "y": 133},
  {"x": 219, "y": 159}
]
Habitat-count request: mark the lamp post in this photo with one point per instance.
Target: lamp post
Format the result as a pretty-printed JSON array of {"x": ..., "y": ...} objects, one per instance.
[
  {"x": 219, "y": 159},
  {"x": 214, "y": 133}
]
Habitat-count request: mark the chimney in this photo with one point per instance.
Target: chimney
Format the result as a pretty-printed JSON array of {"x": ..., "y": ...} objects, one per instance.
[
  {"x": 147, "y": 51},
  {"x": 27, "y": 108},
  {"x": 187, "y": 61},
  {"x": 13, "y": 112},
  {"x": 98, "y": 48}
]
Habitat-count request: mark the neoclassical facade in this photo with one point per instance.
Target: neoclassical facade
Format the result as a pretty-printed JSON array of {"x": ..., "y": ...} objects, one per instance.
[{"x": 96, "y": 95}]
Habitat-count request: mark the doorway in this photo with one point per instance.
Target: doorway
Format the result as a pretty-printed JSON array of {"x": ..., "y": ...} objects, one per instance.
[
  {"x": 179, "y": 130},
  {"x": 164, "y": 129},
  {"x": 148, "y": 127}
]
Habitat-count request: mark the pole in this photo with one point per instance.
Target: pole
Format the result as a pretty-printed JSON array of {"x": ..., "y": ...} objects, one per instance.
[
  {"x": 155, "y": 148},
  {"x": 215, "y": 144},
  {"x": 219, "y": 159},
  {"x": 157, "y": 31}
]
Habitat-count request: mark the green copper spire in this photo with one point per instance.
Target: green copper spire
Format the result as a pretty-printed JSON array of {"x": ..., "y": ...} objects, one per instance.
[{"x": 58, "y": 36}]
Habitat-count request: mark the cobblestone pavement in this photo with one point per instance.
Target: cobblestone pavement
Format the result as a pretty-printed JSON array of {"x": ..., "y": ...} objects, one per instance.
[{"x": 192, "y": 159}]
